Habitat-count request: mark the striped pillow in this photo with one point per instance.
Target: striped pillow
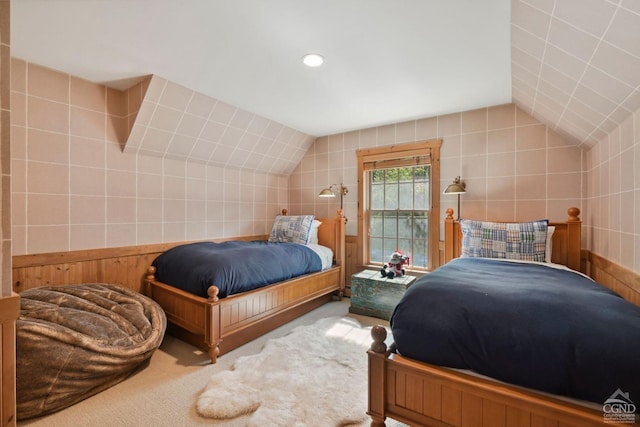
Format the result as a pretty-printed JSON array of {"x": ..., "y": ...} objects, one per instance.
[
  {"x": 517, "y": 240},
  {"x": 291, "y": 229}
]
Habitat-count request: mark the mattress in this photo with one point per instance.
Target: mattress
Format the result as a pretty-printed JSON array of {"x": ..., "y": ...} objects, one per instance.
[
  {"x": 234, "y": 266},
  {"x": 527, "y": 324}
]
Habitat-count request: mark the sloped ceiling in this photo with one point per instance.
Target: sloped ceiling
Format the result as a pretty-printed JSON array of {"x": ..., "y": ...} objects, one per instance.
[
  {"x": 573, "y": 64},
  {"x": 173, "y": 121}
]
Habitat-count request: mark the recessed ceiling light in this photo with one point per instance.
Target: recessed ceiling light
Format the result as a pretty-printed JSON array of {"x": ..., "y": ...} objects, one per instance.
[{"x": 313, "y": 60}]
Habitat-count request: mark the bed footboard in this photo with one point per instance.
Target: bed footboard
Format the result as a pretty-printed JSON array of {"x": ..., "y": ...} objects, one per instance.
[
  {"x": 193, "y": 315},
  {"x": 417, "y": 393},
  {"x": 221, "y": 325}
]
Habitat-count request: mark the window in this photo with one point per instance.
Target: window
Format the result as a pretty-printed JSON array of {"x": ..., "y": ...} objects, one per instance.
[
  {"x": 399, "y": 213},
  {"x": 399, "y": 205}
]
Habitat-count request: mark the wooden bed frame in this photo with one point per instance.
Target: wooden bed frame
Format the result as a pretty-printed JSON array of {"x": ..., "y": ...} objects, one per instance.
[
  {"x": 220, "y": 325},
  {"x": 422, "y": 394}
]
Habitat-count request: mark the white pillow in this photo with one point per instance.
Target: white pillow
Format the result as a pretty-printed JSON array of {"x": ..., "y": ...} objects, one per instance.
[
  {"x": 313, "y": 233},
  {"x": 549, "y": 245}
]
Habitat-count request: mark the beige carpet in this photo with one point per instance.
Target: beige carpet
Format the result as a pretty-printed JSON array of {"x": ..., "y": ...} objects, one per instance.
[{"x": 166, "y": 391}]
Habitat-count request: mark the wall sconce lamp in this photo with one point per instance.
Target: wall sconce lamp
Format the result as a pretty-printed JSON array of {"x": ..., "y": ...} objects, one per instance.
[
  {"x": 458, "y": 187},
  {"x": 333, "y": 190}
]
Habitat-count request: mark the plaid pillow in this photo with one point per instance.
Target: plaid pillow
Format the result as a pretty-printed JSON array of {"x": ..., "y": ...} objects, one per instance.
[
  {"x": 520, "y": 240},
  {"x": 291, "y": 229}
]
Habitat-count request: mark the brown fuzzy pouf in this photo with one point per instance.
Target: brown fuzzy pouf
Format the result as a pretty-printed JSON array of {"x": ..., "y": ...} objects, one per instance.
[{"x": 77, "y": 340}]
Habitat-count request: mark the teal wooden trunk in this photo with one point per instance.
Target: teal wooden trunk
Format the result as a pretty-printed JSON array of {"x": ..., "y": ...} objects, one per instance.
[{"x": 376, "y": 296}]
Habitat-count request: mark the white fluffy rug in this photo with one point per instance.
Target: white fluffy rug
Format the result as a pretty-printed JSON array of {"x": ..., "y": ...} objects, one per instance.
[{"x": 315, "y": 375}]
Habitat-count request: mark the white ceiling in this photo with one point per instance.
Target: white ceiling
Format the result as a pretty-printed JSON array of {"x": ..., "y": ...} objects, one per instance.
[
  {"x": 573, "y": 64},
  {"x": 386, "y": 61}
]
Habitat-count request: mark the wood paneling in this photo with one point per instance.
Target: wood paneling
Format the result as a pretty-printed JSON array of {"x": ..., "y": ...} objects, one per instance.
[
  {"x": 9, "y": 312},
  {"x": 623, "y": 281},
  {"x": 126, "y": 266},
  {"x": 456, "y": 399},
  {"x": 351, "y": 261}
]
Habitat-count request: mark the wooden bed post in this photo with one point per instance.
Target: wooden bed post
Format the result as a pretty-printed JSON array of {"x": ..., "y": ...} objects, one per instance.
[
  {"x": 212, "y": 323},
  {"x": 151, "y": 276},
  {"x": 341, "y": 250},
  {"x": 377, "y": 357},
  {"x": 450, "y": 252},
  {"x": 574, "y": 236}
]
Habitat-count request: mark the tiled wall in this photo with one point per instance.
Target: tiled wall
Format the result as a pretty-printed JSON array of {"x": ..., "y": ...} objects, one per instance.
[
  {"x": 515, "y": 168},
  {"x": 5, "y": 145},
  {"x": 74, "y": 188},
  {"x": 613, "y": 199}
]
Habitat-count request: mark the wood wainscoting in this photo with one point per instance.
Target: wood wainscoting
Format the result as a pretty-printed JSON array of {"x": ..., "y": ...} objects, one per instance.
[
  {"x": 351, "y": 262},
  {"x": 126, "y": 266},
  {"x": 9, "y": 312},
  {"x": 621, "y": 280}
]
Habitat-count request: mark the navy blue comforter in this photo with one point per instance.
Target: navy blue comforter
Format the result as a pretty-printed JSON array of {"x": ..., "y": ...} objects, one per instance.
[
  {"x": 234, "y": 266},
  {"x": 525, "y": 324}
]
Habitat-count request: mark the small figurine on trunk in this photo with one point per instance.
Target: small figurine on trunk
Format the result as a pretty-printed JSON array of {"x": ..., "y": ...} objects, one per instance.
[{"x": 395, "y": 266}]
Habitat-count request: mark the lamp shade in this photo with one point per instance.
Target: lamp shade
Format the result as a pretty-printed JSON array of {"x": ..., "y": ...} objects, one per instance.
[
  {"x": 327, "y": 192},
  {"x": 458, "y": 187}
]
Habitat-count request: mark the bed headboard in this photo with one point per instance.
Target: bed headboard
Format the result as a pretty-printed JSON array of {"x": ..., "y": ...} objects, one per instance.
[
  {"x": 566, "y": 239},
  {"x": 332, "y": 234}
]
